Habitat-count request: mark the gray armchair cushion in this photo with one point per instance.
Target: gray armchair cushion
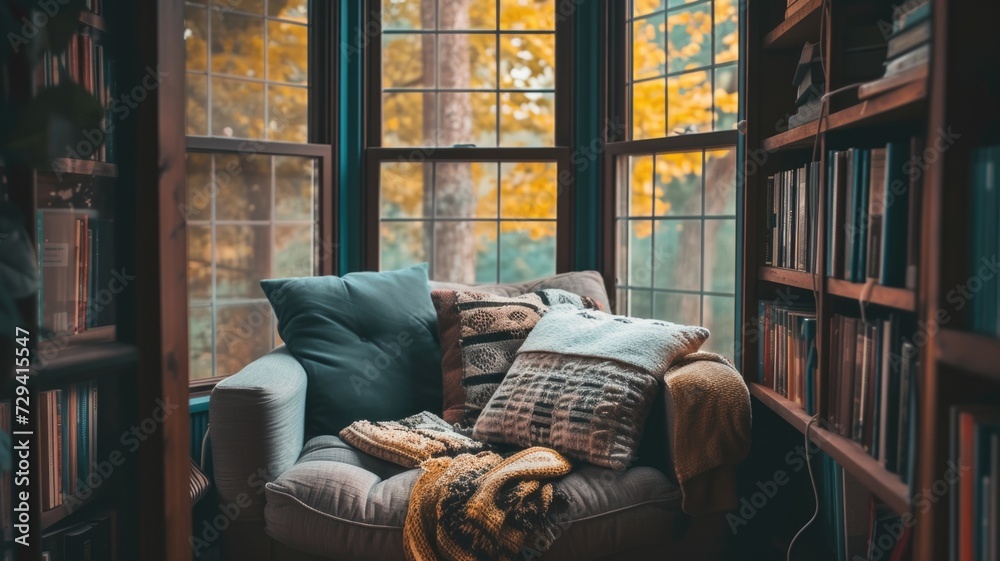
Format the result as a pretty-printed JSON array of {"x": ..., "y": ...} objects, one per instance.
[{"x": 339, "y": 503}]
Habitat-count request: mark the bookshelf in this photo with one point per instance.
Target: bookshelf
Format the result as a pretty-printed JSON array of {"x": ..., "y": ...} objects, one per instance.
[
  {"x": 954, "y": 365},
  {"x": 109, "y": 241}
]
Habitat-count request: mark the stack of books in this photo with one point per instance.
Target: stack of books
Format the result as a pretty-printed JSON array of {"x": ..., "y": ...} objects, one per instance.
[
  {"x": 975, "y": 498},
  {"x": 986, "y": 238},
  {"x": 872, "y": 393},
  {"x": 84, "y": 63},
  {"x": 787, "y": 352},
  {"x": 857, "y": 527},
  {"x": 875, "y": 195},
  {"x": 68, "y": 432},
  {"x": 908, "y": 52},
  {"x": 86, "y": 540},
  {"x": 810, "y": 85},
  {"x": 76, "y": 265},
  {"x": 793, "y": 200}
]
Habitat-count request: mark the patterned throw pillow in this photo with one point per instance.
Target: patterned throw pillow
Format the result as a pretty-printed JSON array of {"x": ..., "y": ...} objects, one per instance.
[
  {"x": 583, "y": 383},
  {"x": 479, "y": 335}
]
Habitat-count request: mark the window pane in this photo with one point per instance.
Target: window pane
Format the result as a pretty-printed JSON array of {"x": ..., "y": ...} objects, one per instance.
[
  {"x": 196, "y": 115},
  {"x": 296, "y": 10},
  {"x": 677, "y": 240},
  {"x": 196, "y": 37},
  {"x": 240, "y": 85},
  {"x": 287, "y": 52},
  {"x": 403, "y": 193},
  {"x": 719, "y": 316},
  {"x": 237, "y": 108},
  {"x": 237, "y": 44},
  {"x": 686, "y": 44},
  {"x": 402, "y": 244},
  {"x": 461, "y": 75},
  {"x": 465, "y": 190},
  {"x": 235, "y": 241},
  {"x": 242, "y": 259},
  {"x": 243, "y": 185},
  {"x": 676, "y": 255},
  {"x": 527, "y": 250},
  {"x": 288, "y": 108},
  {"x": 528, "y": 61},
  {"x": 200, "y": 343},
  {"x": 678, "y": 184},
  {"x": 528, "y": 190},
  {"x": 295, "y": 185},
  {"x": 527, "y": 119},
  {"x": 677, "y": 308},
  {"x": 242, "y": 334}
]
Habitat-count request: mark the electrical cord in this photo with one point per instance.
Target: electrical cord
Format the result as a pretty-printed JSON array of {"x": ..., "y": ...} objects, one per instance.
[{"x": 812, "y": 480}]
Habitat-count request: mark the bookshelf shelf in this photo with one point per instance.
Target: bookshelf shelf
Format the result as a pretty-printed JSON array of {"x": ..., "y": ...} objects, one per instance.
[
  {"x": 56, "y": 515},
  {"x": 86, "y": 362},
  {"x": 90, "y": 19},
  {"x": 898, "y": 298},
  {"x": 83, "y": 167},
  {"x": 786, "y": 277},
  {"x": 801, "y": 26},
  {"x": 973, "y": 352},
  {"x": 884, "y": 484},
  {"x": 892, "y": 106}
]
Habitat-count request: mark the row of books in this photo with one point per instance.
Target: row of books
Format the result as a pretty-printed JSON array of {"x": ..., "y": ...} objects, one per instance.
[
  {"x": 787, "y": 352},
  {"x": 855, "y": 525},
  {"x": 793, "y": 200},
  {"x": 95, "y": 6},
  {"x": 84, "y": 63},
  {"x": 908, "y": 48},
  {"x": 986, "y": 238},
  {"x": 68, "y": 434},
  {"x": 975, "y": 500},
  {"x": 872, "y": 390},
  {"x": 75, "y": 261},
  {"x": 83, "y": 541},
  {"x": 6, "y": 522},
  {"x": 874, "y": 198}
]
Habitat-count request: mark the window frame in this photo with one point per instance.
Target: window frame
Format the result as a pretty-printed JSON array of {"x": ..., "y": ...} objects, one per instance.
[
  {"x": 375, "y": 154},
  {"x": 620, "y": 146},
  {"x": 323, "y": 125}
]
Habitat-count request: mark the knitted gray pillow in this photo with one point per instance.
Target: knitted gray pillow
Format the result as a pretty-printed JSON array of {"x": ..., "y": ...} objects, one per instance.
[{"x": 582, "y": 384}]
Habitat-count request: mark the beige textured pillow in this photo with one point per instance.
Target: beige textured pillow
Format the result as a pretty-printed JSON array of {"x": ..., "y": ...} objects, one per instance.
[{"x": 582, "y": 384}]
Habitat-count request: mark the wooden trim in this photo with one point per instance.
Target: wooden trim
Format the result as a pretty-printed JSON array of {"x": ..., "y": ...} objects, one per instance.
[
  {"x": 794, "y": 31},
  {"x": 788, "y": 277},
  {"x": 849, "y": 454},
  {"x": 891, "y": 297},
  {"x": 215, "y": 144},
  {"x": 677, "y": 143}
]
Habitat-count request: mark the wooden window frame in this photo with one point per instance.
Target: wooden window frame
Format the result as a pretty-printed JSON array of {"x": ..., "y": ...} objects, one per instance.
[{"x": 375, "y": 154}]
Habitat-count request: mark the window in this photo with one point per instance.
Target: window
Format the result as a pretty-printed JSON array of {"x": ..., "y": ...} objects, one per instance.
[
  {"x": 465, "y": 155},
  {"x": 674, "y": 215},
  {"x": 684, "y": 58},
  {"x": 255, "y": 185}
]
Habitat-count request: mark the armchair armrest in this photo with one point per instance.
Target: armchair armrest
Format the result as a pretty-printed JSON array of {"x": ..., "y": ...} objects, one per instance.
[
  {"x": 708, "y": 420},
  {"x": 257, "y": 419}
]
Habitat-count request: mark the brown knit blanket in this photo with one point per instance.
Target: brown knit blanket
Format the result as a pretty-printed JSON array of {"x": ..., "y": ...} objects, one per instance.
[
  {"x": 483, "y": 506},
  {"x": 708, "y": 412}
]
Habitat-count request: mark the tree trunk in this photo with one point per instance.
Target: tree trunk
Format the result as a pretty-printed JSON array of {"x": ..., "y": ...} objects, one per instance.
[{"x": 448, "y": 121}]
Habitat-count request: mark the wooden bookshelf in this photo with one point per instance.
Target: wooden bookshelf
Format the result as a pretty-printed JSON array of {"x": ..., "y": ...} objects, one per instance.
[
  {"x": 972, "y": 352},
  {"x": 83, "y": 167},
  {"x": 90, "y": 19},
  {"x": 890, "y": 297},
  {"x": 79, "y": 503},
  {"x": 800, "y": 27},
  {"x": 883, "y": 483},
  {"x": 786, "y": 277},
  {"x": 905, "y": 102}
]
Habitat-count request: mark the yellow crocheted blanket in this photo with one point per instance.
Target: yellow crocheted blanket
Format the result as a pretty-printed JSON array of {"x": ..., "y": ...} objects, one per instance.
[{"x": 482, "y": 506}]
